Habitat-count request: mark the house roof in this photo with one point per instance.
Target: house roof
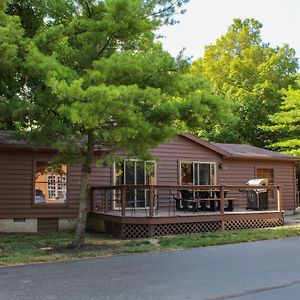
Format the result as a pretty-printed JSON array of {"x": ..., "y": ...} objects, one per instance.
[
  {"x": 13, "y": 139},
  {"x": 248, "y": 151},
  {"x": 241, "y": 151},
  {"x": 9, "y": 139},
  {"x": 206, "y": 144}
]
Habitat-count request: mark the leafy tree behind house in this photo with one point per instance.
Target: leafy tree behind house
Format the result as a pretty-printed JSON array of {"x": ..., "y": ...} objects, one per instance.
[
  {"x": 286, "y": 123},
  {"x": 249, "y": 75}
]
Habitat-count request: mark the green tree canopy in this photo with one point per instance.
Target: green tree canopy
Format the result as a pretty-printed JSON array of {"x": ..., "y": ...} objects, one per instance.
[
  {"x": 11, "y": 53},
  {"x": 249, "y": 75},
  {"x": 286, "y": 123},
  {"x": 97, "y": 78}
]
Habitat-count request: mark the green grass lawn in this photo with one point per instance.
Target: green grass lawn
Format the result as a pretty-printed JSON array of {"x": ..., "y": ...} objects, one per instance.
[{"x": 31, "y": 248}]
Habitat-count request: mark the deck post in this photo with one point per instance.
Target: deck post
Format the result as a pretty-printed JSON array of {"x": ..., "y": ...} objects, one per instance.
[
  {"x": 222, "y": 225},
  {"x": 222, "y": 199},
  {"x": 279, "y": 199},
  {"x": 105, "y": 202},
  {"x": 151, "y": 202},
  {"x": 123, "y": 201}
]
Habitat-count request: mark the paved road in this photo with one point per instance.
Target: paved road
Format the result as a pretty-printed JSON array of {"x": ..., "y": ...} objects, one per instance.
[{"x": 261, "y": 270}]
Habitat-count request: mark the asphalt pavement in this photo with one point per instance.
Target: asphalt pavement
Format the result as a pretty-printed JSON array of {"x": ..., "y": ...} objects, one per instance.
[{"x": 256, "y": 270}]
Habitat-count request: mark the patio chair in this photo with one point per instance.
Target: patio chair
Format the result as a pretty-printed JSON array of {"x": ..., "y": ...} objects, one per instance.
[
  {"x": 202, "y": 195},
  {"x": 187, "y": 205},
  {"x": 178, "y": 203}
]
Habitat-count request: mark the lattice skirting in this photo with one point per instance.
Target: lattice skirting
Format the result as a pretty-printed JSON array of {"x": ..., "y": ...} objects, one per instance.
[
  {"x": 245, "y": 224},
  {"x": 167, "y": 229},
  {"x": 146, "y": 230}
]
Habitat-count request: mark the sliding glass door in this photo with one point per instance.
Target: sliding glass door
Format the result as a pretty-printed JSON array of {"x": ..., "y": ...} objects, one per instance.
[{"x": 135, "y": 172}]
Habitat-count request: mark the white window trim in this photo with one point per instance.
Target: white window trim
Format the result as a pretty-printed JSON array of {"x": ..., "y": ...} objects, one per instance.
[
  {"x": 55, "y": 184},
  {"x": 124, "y": 165},
  {"x": 197, "y": 162}
]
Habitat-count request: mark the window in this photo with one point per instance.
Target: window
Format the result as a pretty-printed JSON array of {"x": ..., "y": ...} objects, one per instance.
[
  {"x": 198, "y": 173},
  {"x": 268, "y": 174},
  {"x": 50, "y": 183},
  {"x": 134, "y": 172},
  {"x": 187, "y": 173}
]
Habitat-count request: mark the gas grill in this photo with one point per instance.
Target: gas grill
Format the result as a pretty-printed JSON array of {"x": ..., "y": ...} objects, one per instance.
[{"x": 257, "y": 198}]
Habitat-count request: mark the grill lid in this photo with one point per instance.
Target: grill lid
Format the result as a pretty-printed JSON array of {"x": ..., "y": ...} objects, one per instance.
[{"x": 258, "y": 181}]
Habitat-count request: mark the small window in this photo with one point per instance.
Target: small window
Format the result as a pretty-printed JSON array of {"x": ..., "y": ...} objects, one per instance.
[{"x": 50, "y": 183}]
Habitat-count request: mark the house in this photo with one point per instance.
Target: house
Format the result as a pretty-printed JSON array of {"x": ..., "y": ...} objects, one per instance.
[{"x": 35, "y": 198}]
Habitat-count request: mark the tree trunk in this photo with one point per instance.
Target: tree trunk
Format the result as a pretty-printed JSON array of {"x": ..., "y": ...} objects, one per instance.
[{"x": 83, "y": 198}]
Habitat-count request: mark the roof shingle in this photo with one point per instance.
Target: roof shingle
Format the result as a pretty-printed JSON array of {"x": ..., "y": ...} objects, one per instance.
[{"x": 245, "y": 151}]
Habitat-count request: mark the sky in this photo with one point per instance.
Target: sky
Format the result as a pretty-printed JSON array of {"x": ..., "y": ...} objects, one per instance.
[{"x": 206, "y": 20}]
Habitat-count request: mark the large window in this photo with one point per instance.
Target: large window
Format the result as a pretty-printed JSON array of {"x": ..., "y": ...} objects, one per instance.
[
  {"x": 198, "y": 173},
  {"x": 50, "y": 183},
  {"x": 135, "y": 172}
]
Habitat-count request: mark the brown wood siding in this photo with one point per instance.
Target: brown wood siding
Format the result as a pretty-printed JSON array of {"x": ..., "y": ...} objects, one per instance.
[
  {"x": 237, "y": 172},
  {"x": 99, "y": 176},
  {"x": 234, "y": 172},
  {"x": 15, "y": 183},
  {"x": 16, "y": 186},
  {"x": 179, "y": 149},
  {"x": 47, "y": 224},
  {"x": 16, "y": 177},
  {"x": 168, "y": 159}
]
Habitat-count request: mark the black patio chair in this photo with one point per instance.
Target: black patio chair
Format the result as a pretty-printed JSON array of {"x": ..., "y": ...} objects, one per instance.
[
  {"x": 202, "y": 195},
  {"x": 185, "y": 197}
]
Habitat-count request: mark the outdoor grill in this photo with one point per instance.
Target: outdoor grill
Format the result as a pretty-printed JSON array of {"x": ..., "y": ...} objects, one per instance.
[{"x": 257, "y": 198}]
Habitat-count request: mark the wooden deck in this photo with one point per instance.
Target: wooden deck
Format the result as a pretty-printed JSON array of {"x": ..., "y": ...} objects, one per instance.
[
  {"x": 167, "y": 220},
  {"x": 140, "y": 226}
]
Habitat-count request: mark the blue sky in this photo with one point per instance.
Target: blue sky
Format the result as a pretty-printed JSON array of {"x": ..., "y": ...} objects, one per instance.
[{"x": 207, "y": 20}]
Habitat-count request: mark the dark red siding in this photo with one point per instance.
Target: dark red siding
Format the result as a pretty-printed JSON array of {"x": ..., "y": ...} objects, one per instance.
[
  {"x": 47, "y": 224},
  {"x": 17, "y": 185},
  {"x": 17, "y": 178},
  {"x": 235, "y": 172},
  {"x": 180, "y": 149}
]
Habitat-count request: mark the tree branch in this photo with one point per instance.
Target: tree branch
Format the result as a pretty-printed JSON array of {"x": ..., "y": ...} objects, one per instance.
[
  {"x": 171, "y": 6},
  {"x": 161, "y": 71},
  {"x": 88, "y": 9},
  {"x": 60, "y": 37},
  {"x": 106, "y": 44}
]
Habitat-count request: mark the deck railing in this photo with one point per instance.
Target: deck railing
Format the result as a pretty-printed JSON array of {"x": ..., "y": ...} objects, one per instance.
[{"x": 152, "y": 200}]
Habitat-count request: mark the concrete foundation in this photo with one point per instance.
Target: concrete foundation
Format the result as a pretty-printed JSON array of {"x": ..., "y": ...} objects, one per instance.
[
  {"x": 30, "y": 225},
  {"x": 18, "y": 225}
]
